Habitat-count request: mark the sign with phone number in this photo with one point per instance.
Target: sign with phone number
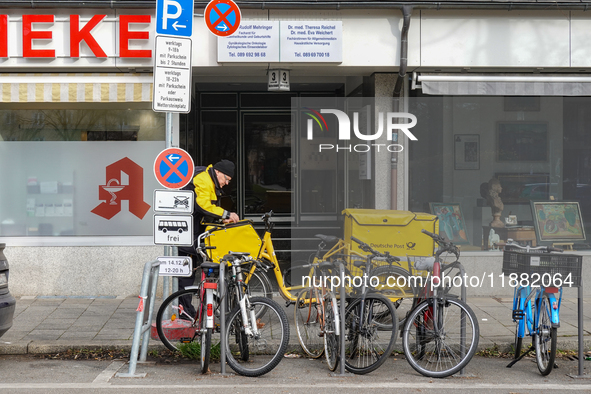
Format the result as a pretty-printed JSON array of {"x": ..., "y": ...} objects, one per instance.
[
  {"x": 175, "y": 266},
  {"x": 284, "y": 41}
]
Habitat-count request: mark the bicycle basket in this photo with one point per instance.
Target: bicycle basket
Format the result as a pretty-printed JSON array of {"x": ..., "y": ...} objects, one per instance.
[
  {"x": 239, "y": 237},
  {"x": 543, "y": 263}
]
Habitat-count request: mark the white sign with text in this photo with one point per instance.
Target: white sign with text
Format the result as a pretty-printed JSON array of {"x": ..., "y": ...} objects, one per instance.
[
  {"x": 284, "y": 41},
  {"x": 175, "y": 266},
  {"x": 174, "y": 230},
  {"x": 172, "y": 75},
  {"x": 312, "y": 41},
  {"x": 255, "y": 41}
]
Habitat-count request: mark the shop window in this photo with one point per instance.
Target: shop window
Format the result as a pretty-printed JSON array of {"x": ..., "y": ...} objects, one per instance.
[
  {"x": 536, "y": 148},
  {"x": 58, "y": 166}
]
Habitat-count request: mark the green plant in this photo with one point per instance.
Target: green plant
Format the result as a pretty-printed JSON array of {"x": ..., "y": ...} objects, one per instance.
[{"x": 192, "y": 351}]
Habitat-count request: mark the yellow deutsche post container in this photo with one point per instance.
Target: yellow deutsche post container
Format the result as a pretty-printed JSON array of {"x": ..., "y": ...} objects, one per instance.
[
  {"x": 239, "y": 237},
  {"x": 397, "y": 232}
]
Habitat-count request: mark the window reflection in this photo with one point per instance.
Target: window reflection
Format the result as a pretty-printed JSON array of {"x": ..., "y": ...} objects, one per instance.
[{"x": 81, "y": 125}]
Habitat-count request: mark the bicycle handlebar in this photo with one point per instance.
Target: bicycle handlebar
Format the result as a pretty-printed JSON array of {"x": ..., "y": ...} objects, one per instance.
[
  {"x": 548, "y": 249},
  {"x": 444, "y": 246},
  {"x": 267, "y": 216}
]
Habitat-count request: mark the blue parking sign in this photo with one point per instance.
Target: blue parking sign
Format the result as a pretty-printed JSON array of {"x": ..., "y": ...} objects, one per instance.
[{"x": 174, "y": 17}]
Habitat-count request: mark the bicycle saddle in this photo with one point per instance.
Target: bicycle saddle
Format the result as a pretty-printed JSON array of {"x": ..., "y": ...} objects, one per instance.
[
  {"x": 327, "y": 238},
  {"x": 209, "y": 264},
  {"x": 424, "y": 263}
]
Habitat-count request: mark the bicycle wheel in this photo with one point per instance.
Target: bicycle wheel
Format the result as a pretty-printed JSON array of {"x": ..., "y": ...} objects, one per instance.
[
  {"x": 368, "y": 342},
  {"x": 307, "y": 322},
  {"x": 433, "y": 336},
  {"x": 177, "y": 320},
  {"x": 259, "y": 285},
  {"x": 396, "y": 284},
  {"x": 331, "y": 339},
  {"x": 205, "y": 345},
  {"x": 545, "y": 338},
  {"x": 265, "y": 349}
]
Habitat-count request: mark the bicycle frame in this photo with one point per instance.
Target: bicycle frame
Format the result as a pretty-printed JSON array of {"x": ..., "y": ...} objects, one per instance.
[
  {"x": 267, "y": 252},
  {"x": 248, "y": 313},
  {"x": 522, "y": 300}
]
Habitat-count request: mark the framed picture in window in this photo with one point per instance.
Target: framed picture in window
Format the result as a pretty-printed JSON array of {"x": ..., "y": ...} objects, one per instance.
[
  {"x": 467, "y": 152},
  {"x": 558, "y": 221},
  {"x": 452, "y": 225},
  {"x": 522, "y": 141}
]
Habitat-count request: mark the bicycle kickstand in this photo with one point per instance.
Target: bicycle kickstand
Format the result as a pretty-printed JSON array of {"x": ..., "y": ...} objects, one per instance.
[{"x": 528, "y": 351}]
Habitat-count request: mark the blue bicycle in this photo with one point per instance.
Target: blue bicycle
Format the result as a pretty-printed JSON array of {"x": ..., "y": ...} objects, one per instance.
[{"x": 536, "y": 306}]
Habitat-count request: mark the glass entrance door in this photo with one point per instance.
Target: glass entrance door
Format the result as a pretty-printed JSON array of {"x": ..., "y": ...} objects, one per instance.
[{"x": 267, "y": 163}]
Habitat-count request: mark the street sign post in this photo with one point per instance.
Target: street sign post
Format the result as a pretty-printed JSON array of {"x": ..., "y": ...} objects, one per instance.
[
  {"x": 222, "y": 17},
  {"x": 176, "y": 230},
  {"x": 173, "y": 168},
  {"x": 172, "y": 75},
  {"x": 172, "y": 56},
  {"x": 174, "y": 17},
  {"x": 173, "y": 201}
]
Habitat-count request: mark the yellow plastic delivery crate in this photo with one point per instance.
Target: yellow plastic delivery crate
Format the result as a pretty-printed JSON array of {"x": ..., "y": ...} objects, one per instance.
[
  {"x": 239, "y": 237},
  {"x": 397, "y": 232}
]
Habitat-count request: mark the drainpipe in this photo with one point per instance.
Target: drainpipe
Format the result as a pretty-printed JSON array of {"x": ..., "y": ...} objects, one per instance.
[{"x": 406, "y": 13}]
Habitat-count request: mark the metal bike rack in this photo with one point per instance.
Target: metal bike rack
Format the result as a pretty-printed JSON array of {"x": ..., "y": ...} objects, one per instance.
[
  {"x": 581, "y": 350},
  {"x": 142, "y": 325},
  {"x": 221, "y": 292},
  {"x": 463, "y": 325},
  {"x": 342, "y": 301},
  {"x": 342, "y": 321}
]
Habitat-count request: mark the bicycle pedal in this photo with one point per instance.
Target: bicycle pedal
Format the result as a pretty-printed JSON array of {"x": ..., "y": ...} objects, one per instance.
[
  {"x": 185, "y": 340},
  {"x": 518, "y": 314}
]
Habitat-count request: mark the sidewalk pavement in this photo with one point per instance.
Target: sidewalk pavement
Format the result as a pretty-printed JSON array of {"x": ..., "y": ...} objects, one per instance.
[{"x": 55, "y": 324}]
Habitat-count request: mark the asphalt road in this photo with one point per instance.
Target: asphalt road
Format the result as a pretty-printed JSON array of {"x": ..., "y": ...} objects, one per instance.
[{"x": 27, "y": 374}]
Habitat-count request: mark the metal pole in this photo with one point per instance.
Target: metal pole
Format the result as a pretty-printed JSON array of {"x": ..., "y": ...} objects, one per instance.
[
  {"x": 175, "y": 280},
  {"x": 580, "y": 318},
  {"x": 342, "y": 321},
  {"x": 463, "y": 324},
  {"x": 222, "y": 293},
  {"x": 342, "y": 297},
  {"x": 139, "y": 320},
  {"x": 166, "y": 280},
  {"x": 168, "y": 144},
  {"x": 154, "y": 273}
]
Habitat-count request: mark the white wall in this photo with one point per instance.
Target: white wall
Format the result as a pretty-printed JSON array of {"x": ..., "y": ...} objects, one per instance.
[{"x": 68, "y": 271}]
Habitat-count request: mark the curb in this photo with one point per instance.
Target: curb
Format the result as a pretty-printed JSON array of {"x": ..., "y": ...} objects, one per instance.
[{"x": 50, "y": 347}]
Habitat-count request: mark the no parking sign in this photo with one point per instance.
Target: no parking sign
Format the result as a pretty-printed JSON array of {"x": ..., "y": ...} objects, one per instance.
[
  {"x": 173, "y": 168},
  {"x": 222, "y": 17}
]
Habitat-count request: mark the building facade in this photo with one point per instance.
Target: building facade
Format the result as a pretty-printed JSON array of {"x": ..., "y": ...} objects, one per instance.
[{"x": 498, "y": 91}]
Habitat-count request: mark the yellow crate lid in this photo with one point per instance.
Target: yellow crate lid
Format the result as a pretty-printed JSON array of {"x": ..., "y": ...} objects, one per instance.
[{"x": 386, "y": 217}]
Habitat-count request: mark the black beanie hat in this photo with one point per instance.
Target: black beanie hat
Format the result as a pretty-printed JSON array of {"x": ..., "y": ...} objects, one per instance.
[{"x": 225, "y": 167}]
